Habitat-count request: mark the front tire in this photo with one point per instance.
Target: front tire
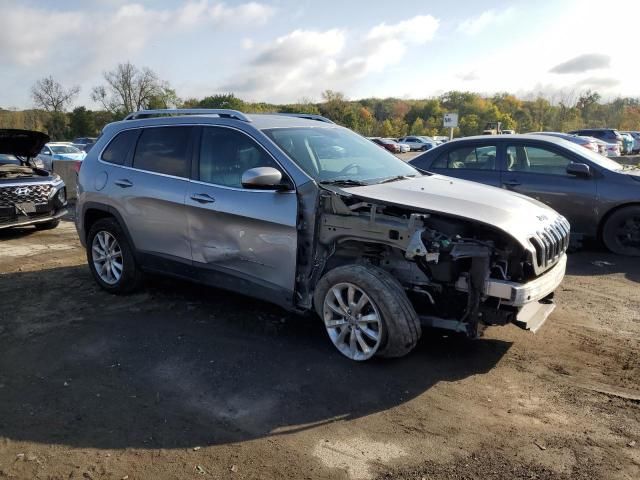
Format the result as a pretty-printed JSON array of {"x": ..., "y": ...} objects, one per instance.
[
  {"x": 621, "y": 232},
  {"x": 110, "y": 257},
  {"x": 366, "y": 312}
]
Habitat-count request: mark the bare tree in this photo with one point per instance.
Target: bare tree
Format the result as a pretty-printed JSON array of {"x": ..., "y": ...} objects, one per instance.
[
  {"x": 129, "y": 89},
  {"x": 51, "y": 96}
]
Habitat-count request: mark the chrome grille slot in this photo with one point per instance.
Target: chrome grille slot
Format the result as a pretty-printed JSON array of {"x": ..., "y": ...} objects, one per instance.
[
  {"x": 36, "y": 194},
  {"x": 549, "y": 244}
]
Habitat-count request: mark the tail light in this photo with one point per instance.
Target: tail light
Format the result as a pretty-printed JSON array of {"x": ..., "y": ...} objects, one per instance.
[{"x": 76, "y": 166}]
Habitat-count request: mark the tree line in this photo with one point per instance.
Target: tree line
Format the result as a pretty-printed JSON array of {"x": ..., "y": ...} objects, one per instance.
[{"x": 128, "y": 88}]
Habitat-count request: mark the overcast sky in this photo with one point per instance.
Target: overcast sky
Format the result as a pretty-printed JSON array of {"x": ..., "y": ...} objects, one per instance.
[{"x": 284, "y": 50}]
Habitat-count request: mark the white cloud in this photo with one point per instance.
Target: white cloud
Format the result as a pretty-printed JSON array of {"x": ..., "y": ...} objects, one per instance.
[
  {"x": 116, "y": 34},
  {"x": 475, "y": 25},
  {"x": 252, "y": 13},
  {"x": 23, "y": 43},
  {"x": 304, "y": 62}
]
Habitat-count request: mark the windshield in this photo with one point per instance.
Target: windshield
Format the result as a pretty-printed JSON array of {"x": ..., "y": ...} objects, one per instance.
[
  {"x": 5, "y": 159},
  {"x": 334, "y": 154},
  {"x": 63, "y": 149},
  {"x": 594, "y": 157}
]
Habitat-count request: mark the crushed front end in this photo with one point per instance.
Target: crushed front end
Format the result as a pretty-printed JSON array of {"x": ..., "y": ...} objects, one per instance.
[{"x": 459, "y": 274}]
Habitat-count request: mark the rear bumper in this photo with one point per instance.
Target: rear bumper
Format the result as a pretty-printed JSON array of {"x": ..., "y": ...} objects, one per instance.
[
  {"x": 24, "y": 221},
  {"x": 521, "y": 294}
]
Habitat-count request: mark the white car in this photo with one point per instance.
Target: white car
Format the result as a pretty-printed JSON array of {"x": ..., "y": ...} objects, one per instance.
[
  {"x": 58, "y": 151},
  {"x": 610, "y": 149},
  {"x": 418, "y": 143},
  {"x": 404, "y": 148}
]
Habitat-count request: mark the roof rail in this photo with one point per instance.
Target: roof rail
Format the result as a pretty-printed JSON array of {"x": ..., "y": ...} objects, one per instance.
[
  {"x": 221, "y": 112},
  {"x": 309, "y": 116}
]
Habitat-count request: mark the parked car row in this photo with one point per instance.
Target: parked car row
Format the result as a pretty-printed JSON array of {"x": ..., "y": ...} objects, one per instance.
[
  {"x": 611, "y": 137},
  {"x": 413, "y": 143}
]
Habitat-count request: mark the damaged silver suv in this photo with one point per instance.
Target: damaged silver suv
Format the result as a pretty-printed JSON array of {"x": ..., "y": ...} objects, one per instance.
[{"x": 306, "y": 214}]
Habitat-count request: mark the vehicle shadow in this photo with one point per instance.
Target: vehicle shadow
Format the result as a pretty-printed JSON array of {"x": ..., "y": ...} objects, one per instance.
[
  {"x": 594, "y": 260},
  {"x": 18, "y": 232},
  {"x": 179, "y": 365}
]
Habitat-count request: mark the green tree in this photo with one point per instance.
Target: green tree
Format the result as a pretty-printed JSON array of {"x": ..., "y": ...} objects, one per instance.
[
  {"x": 334, "y": 106},
  {"x": 56, "y": 124},
  {"x": 417, "y": 127},
  {"x": 386, "y": 129},
  {"x": 81, "y": 123},
  {"x": 225, "y": 100}
]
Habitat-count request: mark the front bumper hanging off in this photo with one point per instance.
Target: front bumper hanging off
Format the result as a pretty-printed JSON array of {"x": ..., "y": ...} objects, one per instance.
[{"x": 521, "y": 294}]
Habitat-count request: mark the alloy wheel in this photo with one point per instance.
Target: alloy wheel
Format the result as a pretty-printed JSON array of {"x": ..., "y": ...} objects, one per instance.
[
  {"x": 353, "y": 321},
  {"x": 628, "y": 232},
  {"x": 107, "y": 257}
]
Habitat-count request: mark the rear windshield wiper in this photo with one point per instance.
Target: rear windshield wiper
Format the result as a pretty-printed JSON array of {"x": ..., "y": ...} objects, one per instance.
[{"x": 346, "y": 182}]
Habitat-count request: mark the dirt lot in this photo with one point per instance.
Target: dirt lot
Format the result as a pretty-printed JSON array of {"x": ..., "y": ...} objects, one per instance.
[{"x": 181, "y": 381}]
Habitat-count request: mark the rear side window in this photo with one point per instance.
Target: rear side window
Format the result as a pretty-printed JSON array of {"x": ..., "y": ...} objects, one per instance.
[
  {"x": 164, "y": 150},
  {"x": 471, "y": 158},
  {"x": 119, "y": 148}
]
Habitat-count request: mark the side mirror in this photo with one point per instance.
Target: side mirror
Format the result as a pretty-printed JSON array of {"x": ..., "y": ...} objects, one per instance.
[
  {"x": 264, "y": 178},
  {"x": 47, "y": 152},
  {"x": 579, "y": 169}
]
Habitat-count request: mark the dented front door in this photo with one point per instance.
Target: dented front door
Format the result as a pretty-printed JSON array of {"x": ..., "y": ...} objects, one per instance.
[{"x": 247, "y": 237}]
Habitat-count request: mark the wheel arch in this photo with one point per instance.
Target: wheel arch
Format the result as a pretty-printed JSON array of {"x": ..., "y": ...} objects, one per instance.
[
  {"x": 93, "y": 211},
  {"x": 610, "y": 212}
]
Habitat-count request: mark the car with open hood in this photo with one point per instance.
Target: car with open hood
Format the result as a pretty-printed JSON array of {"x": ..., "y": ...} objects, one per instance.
[
  {"x": 262, "y": 205},
  {"x": 28, "y": 195}
]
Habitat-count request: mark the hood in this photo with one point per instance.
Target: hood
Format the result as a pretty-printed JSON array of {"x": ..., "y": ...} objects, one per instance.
[
  {"x": 517, "y": 215},
  {"x": 23, "y": 143}
]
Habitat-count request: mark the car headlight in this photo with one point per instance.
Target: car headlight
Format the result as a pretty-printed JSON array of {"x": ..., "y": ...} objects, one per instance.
[{"x": 61, "y": 196}]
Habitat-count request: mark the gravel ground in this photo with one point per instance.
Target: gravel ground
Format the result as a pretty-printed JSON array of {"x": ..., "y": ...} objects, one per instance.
[{"x": 183, "y": 381}]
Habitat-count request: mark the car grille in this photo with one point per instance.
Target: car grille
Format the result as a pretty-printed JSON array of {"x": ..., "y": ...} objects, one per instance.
[
  {"x": 550, "y": 243},
  {"x": 24, "y": 193}
]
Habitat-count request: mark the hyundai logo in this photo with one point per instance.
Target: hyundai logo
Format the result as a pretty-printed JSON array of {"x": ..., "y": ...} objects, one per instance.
[{"x": 23, "y": 191}]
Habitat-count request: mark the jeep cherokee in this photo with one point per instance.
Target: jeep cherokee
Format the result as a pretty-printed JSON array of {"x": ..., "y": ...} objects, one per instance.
[{"x": 313, "y": 217}]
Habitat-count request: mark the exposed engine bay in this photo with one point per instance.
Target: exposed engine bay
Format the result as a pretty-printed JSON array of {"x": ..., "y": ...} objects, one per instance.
[
  {"x": 12, "y": 172},
  {"x": 459, "y": 274}
]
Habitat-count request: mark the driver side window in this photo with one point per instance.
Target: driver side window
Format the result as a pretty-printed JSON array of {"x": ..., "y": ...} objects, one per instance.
[
  {"x": 536, "y": 160},
  {"x": 225, "y": 154}
]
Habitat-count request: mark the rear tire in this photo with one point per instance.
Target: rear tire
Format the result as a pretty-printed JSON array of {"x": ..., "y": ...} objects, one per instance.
[
  {"x": 387, "y": 324},
  {"x": 47, "y": 225},
  {"x": 111, "y": 257},
  {"x": 621, "y": 232}
]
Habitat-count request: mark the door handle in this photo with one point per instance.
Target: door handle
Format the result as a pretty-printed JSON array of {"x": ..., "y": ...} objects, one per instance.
[
  {"x": 511, "y": 183},
  {"x": 202, "y": 198},
  {"x": 124, "y": 183}
]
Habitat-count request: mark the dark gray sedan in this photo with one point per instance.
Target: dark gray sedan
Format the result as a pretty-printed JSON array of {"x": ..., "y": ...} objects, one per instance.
[{"x": 599, "y": 197}]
